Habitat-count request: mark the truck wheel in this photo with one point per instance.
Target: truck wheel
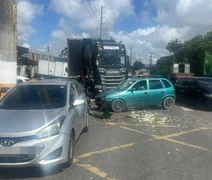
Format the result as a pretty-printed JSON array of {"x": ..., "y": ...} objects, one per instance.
[
  {"x": 90, "y": 92},
  {"x": 168, "y": 103},
  {"x": 118, "y": 105}
]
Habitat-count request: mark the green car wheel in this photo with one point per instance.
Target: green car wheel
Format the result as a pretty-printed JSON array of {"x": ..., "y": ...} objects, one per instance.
[
  {"x": 168, "y": 103},
  {"x": 118, "y": 105}
]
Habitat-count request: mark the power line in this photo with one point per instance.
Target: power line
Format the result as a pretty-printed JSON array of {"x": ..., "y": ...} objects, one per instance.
[
  {"x": 99, "y": 3},
  {"x": 93, "y": 12},
  {"x": 196, "y": 31},
  {"x": 96, "y": 5},
  {"x": 90, "y": 14}
]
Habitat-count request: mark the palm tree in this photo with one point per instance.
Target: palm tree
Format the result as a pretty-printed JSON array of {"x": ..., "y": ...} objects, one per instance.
[{"x": 174, "y": 46}]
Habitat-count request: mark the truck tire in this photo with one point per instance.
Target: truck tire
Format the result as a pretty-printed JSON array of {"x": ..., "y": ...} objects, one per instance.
[{"x": 90, "y": 92}]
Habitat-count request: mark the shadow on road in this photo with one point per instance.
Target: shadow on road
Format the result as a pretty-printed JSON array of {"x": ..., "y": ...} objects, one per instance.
[
  {"x": 194, "y": 105},
  {"x": 100, "y": 114},
  {"x": 23, "y": 173}
]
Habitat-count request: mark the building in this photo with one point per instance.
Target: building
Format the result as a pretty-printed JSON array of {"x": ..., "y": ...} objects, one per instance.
[{"x": 35, "y": 55}]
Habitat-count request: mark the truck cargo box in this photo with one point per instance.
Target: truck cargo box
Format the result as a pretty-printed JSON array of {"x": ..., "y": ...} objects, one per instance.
[{"x": 75, "y": 55}]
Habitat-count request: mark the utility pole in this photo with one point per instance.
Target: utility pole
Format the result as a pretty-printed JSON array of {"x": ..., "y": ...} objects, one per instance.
[
  {"x": 101, "y": 21},
  {"x": 130, "y": 56},
  {"x": 151, "y": 57},
  {"x": 8, "y": 45}
]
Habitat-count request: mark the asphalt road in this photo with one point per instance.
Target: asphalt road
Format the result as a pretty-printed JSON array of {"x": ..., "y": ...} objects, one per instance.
[{"x": 150, "y": 144}]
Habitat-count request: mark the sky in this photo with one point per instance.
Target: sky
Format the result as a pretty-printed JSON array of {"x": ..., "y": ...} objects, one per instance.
[{"x": 146, "y": 26}]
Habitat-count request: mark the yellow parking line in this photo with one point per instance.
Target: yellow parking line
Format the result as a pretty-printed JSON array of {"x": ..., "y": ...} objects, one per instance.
[
  {"x": 89, "y": 154},
  {"x": 94, "y": 170},
  {"x": 111, "y": 123},
  {"x": 205, "y": 128},
  {"x": 187, "y": 144},
  {"x": 140, "y": 132},
  {"x": 177, "y": 134},
  {"x": 149, "y": 125},
  {"x": 75, "y": 160}
]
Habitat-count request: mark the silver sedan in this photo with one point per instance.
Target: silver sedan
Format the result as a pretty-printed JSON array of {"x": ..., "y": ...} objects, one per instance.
[{"x": 40, "y": 123}]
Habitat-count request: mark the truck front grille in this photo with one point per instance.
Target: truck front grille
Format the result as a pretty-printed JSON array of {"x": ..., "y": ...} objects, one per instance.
[{"x": 111, "y": 81}]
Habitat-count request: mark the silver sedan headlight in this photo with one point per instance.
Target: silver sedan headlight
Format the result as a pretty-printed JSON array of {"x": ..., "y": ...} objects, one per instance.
[{"x": 51, "y": 130}]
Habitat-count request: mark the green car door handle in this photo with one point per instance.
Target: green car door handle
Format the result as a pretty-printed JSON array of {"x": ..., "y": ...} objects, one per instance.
[
  {"x": 145, "y": 92},
  {"x": 162, "y": 92}
]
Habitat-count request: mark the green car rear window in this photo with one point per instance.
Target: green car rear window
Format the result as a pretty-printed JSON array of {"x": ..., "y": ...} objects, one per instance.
[{"x": 166, "y": 84}]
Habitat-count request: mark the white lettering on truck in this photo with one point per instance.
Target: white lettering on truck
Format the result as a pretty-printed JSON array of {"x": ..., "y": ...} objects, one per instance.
[{"x": 111, "y": 47}]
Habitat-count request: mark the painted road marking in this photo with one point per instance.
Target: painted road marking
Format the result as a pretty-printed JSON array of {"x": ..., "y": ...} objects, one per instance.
[
  {"x": 172, "y": 140},
  {"x": 186, "y": 109},
  {"x": 143, "y": 125},
  {"x": 187, "y": 144},
  {"x": 75, "y": 160},
  {"x": 96, "y": 171},
  {"x": 177, "y": 134},
  {"x": 89, "y": 154},
  {"x": 137, "y": 131}
]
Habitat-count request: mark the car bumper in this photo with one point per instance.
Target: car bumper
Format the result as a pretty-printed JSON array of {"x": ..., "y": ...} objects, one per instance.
[
  {"x": 101, "y": 103},
  {"x": 35, "y": 152}
]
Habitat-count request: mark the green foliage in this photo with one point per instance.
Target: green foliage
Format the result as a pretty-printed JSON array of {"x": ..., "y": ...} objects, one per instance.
[
  {"x": 138, "y": 65},
  {"x": 192, "y": 51},
  {"x": 163, "y": 65}
]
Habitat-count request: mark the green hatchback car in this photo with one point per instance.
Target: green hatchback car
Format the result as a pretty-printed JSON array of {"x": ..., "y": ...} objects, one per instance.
[{"x": 137, "y": 93}]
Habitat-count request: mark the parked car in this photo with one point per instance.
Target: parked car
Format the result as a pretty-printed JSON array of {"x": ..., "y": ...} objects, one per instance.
[
  {"x": 137, "y": 93},
  {"x": 40, "y": 123},
  {"x": 197, "y": 89}
]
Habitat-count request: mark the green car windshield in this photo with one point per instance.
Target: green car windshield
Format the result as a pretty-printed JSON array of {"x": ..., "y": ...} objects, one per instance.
[{"x": 125, "y": 85}]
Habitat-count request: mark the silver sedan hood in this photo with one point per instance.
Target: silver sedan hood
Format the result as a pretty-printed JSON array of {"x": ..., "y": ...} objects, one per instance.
[{"x": 26, "y": 122}]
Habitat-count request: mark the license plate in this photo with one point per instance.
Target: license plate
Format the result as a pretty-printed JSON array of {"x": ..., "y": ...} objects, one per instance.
[{"x": 19, "y": 150}]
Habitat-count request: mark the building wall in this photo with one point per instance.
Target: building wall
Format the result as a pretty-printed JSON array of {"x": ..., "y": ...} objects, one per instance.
[
  {"x": 8, "y": 42},
  {"x": 36, "y": 56}
]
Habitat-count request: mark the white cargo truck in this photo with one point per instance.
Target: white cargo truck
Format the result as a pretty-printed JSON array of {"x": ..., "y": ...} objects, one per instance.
[{"x": 53, "y": 69}]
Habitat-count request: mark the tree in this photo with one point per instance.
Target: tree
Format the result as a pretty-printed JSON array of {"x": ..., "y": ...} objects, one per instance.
[
  {"x": 173, "y": 46},
  {"x": 163, "y": 65},
  {"x": 138, "y": 65},
  {"x": 64, "y": 53}
]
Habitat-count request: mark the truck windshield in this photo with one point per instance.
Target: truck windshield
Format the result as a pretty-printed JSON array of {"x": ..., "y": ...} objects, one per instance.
[{"x": 113, "y": 60}]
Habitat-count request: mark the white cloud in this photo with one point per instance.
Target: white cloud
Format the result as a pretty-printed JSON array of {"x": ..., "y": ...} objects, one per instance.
[
  {"x": 26, "y": 45},
  {"x": 146, "y": 4},
  {"x": 59, "y": 36},
  {"x": 86, "y": 14},
  {"x": 27, "y": 12},
  {"x": 145, "y": 17},
  {"x": 149, "y": 40},
  {"x": 162, "y": 15},
  {"x": 174, "y": 19},
  {"x": 194, "y": 12}
]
